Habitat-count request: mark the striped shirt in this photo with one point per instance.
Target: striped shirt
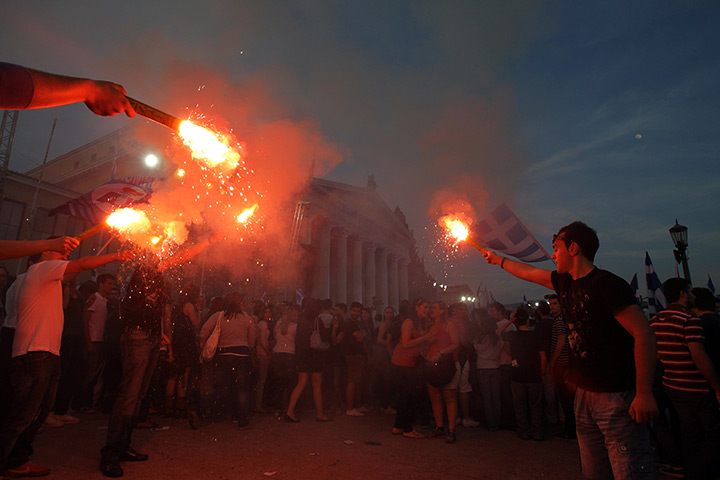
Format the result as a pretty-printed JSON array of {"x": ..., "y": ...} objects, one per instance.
[
  {"x": 676, "y": 327},
  {"x": 559, "y": 328}
]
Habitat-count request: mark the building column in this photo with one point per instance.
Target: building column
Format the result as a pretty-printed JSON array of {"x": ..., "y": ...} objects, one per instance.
[
  {"x": 381, "y": 276},
  {"x": 393, "y": 282},
  {"x": 339, "y": 264},
  {"x": 403, "y": 280},
  {"x": 321, "y": 282},
  {"x": 369, "y": 277},
  {"x": 356, "y": 271}
]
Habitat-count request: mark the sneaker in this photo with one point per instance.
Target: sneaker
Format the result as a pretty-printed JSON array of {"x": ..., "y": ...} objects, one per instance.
[
  {"x": 67, "y": 418},
  {"x": 354, "y": 413},
  {"x": 470, "y": 423},
  {"x": 388, "y": 411},
  {"x": 52, "y": 421},
  {"x": 363, "y": 410},
  {"x": 439, "y": 432},
  {"x": 413, "y": 434},
  {"x": 675, "y": 472},
  {"x": 27, "y": 469},
  {"x": 450, "y": 437}
]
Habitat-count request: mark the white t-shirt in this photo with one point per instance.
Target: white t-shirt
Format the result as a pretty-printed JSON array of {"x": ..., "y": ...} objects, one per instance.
[
  {"x": 40, "y": 309},
  {"x": 98, "y": 317},
  {"x": 11, "y": 302}
]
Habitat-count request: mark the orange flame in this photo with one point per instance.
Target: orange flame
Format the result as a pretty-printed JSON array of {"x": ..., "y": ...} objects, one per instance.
[
  {"x": 456, "y": 227},
  {"x": 246, "y": 214},
  {"x": 207, "y": 146},
  {"x": 128, "y": 218}
]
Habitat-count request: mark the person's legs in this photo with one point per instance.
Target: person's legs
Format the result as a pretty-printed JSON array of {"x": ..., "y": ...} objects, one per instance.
[
  {"x": 626, "y": 442},
  {"x": 33, "y": 379},
  {"x": 316, "y": 378},
  {"x": 295, "y": 395},
  {"x": 450, "y": 397},
  {"x": 535, "y": 397},
  {"x": 595, "y": 464},
  {"x": 520, "y": 402},
  {"x": 437, "y": 405},
  {"x": 243, "y": 374},
  {"x": 262, "y": 374}
]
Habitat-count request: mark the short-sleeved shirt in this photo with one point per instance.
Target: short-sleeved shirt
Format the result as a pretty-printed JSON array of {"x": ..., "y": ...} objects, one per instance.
[
  {"x": 675, "y": 328},
  {"x": 525, "y": 347},
  {"x": 40, "y": 309},
  {"x": 602, "y": 350},
  {"x": 350, "y": 344},
  {"x": 711, "y": 329},
  {"x": 144, "y": 304},
  {"x": 16, "y": 87},
  {"x": 234, "y": 329},
  {"x": 559, "y": 328},
  {"x": 98, "y": 316}
]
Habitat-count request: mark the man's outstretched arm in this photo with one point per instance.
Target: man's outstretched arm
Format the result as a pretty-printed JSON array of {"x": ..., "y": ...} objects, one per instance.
[
  {"x": 520, "y": 270},
  {"x": 19, "y": 248}
]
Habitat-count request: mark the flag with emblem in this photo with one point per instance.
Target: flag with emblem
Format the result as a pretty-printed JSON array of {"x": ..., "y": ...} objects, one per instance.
[{"x": 503, "y": 232}]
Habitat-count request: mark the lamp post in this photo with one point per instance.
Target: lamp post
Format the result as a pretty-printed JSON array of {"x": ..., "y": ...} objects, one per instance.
[{"x": 679, "y": 237}]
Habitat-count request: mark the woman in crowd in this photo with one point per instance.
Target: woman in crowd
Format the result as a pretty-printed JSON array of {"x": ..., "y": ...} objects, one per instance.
[
  {"x": 185, "y": 352},
  {"x": 310, "y": 361},
  {"x": 406, "y": 375},
  {"x": 233, "y": 364},
  {"x": 283, "y": 370},
  {"x": 383, "y": 387},
  {"x": 262, "y": 350},
  {"x": 488, "y": 347},
  {"x": 445, "y": 342}
]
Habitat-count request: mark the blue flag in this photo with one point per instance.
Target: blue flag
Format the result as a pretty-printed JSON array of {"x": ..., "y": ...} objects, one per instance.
[
  {"x": 710, "y": 285},
  {"x": 656, "y": 297},
  {"x": 503, "y": 231},
  {"x": 635, "y": 287}
]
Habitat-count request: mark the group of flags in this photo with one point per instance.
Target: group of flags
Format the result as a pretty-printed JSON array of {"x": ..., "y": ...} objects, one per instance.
[{"x": 655, "y": 297}]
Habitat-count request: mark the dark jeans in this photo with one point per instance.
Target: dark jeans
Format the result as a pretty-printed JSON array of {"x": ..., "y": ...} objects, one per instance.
[
  {"x": 140, "y": 351},
  {"x": 6, "y": 342},
  {"x": 233, "y": 377},
  {"x": 282, "y": 379},
  {"x": 489, "y": 383},
  {"x": 508, "y": 410},
  {"x": 409, "y": 387},
  {"x": 700, "y": 432},
  {"x": 611, "y": 444},
  {"x": 71, "y": 356},
  {"x": 527, "y": 399},
  {"x": 566, "y": 395},
  {"x": 34, "y": 379}
]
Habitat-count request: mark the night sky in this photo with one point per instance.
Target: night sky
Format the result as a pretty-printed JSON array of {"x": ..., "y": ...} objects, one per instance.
[{"x": 598, "y": 111}]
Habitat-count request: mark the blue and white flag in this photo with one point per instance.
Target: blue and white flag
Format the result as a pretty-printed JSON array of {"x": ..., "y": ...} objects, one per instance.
[
  {"x": 503, "y": 231},
  {"x": 635, "y": 287},
  {"x": 656, "y": 297},
  {"x": 710, "y": 285},
  {"x": 108, "y": 197},
  {"x": 299, "y": 296}
]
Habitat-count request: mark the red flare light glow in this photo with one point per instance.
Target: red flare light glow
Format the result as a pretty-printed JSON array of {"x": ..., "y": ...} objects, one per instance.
[
  {"x": 208, "y": 146},
  {"x": 246, "y": 214},
  {"x": 457, "y": 227}
]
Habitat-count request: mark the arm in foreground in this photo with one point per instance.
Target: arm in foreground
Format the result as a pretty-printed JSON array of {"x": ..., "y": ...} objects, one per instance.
[
  {"x": 643, "y": 407},
  {"x": 521, "y": 270},
  {"x": 18, "y": 249}
]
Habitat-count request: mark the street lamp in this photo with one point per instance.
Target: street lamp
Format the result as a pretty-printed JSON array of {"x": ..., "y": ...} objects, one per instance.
[{"x": 679, "y": 236}]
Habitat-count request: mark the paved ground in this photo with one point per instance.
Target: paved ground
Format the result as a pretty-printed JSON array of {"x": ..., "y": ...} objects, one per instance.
[{"x": 347, "y": 448}]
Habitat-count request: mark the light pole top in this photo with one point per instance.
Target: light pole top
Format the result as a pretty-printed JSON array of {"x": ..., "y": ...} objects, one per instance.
[{"x": 679, "y": 235}]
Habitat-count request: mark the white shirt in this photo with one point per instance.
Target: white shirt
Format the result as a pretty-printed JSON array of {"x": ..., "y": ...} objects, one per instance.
[
  {"x": 40, "y": 309},
  {"x": 98, "y": 317},
  {"x": 11, "y": 302}
]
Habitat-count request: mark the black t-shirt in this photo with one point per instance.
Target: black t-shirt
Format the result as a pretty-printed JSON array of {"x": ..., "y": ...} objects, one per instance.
[
  {"x": 525, "y": 347},
  {"x": 543, "y": 329},
  {"x": 145, "y": 301},
  {"x": 350, "y": 343},
  {"x": 602, "y": 350}
]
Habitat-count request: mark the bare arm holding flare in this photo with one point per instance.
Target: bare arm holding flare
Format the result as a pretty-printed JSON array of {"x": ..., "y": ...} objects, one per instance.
[
  {"x": 519, "y": 269},
  {"x": 18, "y": 249},
  {"x": 102, "y": 98},
  {"x": 189, "y": 253}
]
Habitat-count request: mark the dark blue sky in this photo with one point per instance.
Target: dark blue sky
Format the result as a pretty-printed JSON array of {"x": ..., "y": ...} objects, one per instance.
[{"x": 600, "y": 111}]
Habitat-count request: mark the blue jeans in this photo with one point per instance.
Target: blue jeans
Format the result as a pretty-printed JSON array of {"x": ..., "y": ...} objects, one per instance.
[
  {"x": 140, "y": 351},
  {"x": 489, "y": 380},
  {"x": 700, "y": 432},
  {"x": 611, "y": 444},
  {"x": 527, "y": 400},
  {"x": 34, "y": 380}
]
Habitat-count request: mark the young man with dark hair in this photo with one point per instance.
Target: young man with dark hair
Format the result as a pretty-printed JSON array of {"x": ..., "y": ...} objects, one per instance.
[
  {"x": 35, "y": 364},
  {"x": 353, "y": 338},
  {"x": 706, "y": 309},
  {"x": 613, "y": 359},
  {"x": 690, "y": 379},
  {"x": 558, "y": 360}
]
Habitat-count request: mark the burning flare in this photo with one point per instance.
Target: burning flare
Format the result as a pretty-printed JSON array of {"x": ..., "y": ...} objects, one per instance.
[
  {"x": 128, "y": 218},
  {"x": 207, "y": 146},
  {"x": 246, "y": 214},
  {"x": 456, "y": 228}
]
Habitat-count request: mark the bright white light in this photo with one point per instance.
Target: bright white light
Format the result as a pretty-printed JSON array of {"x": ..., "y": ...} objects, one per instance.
[
  {"x": 463, "y": 299},
  {"x": 151, "y": 160}
]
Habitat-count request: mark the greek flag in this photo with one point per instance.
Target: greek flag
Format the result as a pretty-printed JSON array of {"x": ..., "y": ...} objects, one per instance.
[
  {"x": 635, "y": 287},
  {"x": 656, "y": 297},
  {"x": 108, "y": 197},
  {"x": 503, "y": 231}
]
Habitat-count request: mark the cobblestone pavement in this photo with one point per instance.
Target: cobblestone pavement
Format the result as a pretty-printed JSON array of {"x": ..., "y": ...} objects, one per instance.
[{"x": 346, "y": 448}]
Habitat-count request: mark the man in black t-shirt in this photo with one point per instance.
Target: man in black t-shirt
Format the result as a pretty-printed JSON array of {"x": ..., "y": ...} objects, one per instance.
[
  {"x": 352, "y": 341},
  {"x": 613, "y": 355}
]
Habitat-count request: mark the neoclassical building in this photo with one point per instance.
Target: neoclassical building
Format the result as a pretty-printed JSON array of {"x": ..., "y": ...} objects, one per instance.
[{"x": 359, "y": 249}]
